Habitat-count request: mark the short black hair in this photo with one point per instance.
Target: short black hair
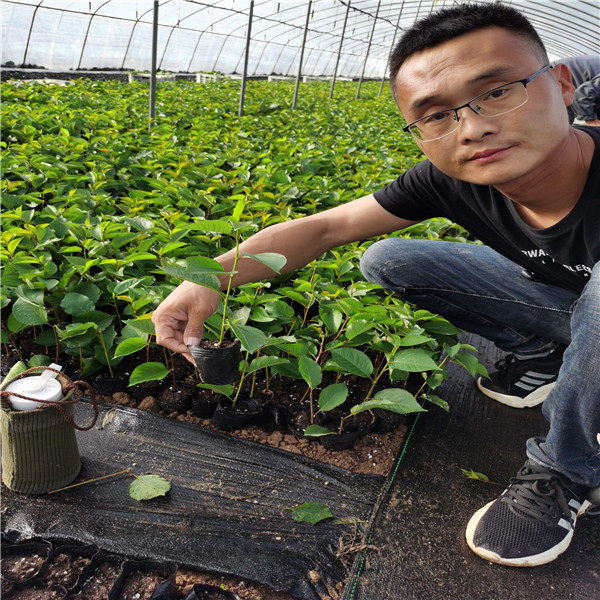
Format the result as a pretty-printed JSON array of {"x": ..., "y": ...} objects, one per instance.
[{"x": 450, "y": 23}]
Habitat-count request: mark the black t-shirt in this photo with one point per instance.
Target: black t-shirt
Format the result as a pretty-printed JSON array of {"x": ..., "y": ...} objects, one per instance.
[{"x": 561, "y": 255}]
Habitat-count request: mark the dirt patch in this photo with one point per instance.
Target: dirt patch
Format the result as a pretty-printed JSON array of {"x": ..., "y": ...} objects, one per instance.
[{"x": 185, "y": 579}]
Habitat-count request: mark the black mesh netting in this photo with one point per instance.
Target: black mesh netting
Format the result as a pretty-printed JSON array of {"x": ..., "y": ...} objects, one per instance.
[{"x": 226, "y": 511}]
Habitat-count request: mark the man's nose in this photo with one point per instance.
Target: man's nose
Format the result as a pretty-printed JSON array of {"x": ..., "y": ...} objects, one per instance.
[{"x": 474, "y": 126}]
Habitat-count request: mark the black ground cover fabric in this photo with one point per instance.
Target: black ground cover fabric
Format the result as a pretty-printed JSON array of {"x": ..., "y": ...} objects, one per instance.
[
  {"x": 226, "y": 511},
  {"x": 418, "y": 547}
]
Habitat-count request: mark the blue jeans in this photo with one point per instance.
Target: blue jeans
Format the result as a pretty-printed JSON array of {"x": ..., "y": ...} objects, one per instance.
[{"x": 483, "y": 292}]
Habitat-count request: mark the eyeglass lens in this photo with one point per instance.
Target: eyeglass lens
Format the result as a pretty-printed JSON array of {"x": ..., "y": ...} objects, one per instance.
[{"x": 492, "y": 103}]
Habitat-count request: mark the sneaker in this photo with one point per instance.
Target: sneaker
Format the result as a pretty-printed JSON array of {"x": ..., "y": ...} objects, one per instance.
[
  {"x": 523, "y": 381},
  {"x": 532, "y": 521}
]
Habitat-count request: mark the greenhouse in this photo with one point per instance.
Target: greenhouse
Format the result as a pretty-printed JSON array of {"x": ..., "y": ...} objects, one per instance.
[{"x": 290, "y": 293}]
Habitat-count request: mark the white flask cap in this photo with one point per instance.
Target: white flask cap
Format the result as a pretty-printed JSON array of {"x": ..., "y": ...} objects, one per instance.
[{"x": 40, "y": 387}]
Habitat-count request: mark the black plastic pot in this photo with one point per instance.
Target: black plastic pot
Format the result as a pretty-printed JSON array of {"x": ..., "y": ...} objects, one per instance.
[
  {"x": 247, "y": 411},
  {"x": 164, "y": 590},
  {"x": 204, "y": 407},
  {"x": 299, "y": 421},
  {"x": 74, "y": 552},
  {"x": 353, "y": 431},
  {"x": 90, "y": 574},
  {"x": 218, "y": 365},
  {"x": 203, "y": 591},
  {"x": 387, "y": 420},
  {"x": 179, "y": 401},
  {"x": 107, "y": 386},
  {"x": 31, "y": 549},
  {"x": 145, "y": 389}
]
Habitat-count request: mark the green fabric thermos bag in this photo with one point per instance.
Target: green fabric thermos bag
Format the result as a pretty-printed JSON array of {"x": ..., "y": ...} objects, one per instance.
[{"x": 39, "y": 447}]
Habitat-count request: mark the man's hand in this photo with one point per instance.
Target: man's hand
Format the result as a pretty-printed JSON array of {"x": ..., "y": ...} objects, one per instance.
[{"x": 179, "y": 319}]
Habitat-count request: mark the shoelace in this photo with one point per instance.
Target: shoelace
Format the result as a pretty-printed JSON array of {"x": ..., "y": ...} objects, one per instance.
[
  {"x": 506, "y": 367},
  {"x": 537, "y": 494}
]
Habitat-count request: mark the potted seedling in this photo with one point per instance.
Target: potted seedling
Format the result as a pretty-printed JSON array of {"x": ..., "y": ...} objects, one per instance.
[{"x": 218, "y": 360}]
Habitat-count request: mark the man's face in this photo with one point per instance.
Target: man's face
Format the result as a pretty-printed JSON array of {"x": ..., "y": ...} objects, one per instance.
[{"x": 452, "y": 73}]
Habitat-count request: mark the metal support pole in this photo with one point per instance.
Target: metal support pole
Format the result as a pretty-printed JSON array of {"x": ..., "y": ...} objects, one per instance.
[
  {"x": 337, "y": 62},
  {"x": 391, "y": 50},
  {"x": 153, "y": 70},
  {"x": 368, "y": 50},
  {"x": 301, "y": 56},
  {"x": 247, "y": 53}
]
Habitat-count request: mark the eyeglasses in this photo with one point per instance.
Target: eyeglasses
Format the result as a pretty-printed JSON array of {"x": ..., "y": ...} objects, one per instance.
[{"x": 493, "y": 103}]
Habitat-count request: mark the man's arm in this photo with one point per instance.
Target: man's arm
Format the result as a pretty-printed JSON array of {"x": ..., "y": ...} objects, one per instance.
[{"x": 179, "y": 319}]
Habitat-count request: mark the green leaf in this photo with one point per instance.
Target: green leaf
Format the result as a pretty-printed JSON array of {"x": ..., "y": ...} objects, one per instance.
[
  {"x": 310, "y": 371},
  {"x": 251, "y": 338},
  {"x": 150, "y": 371},
  {"x": 262, "y": 362},
  {"x": 274, "y": 261},
  {"x": 226, "y": 389},
  {"x": 440, "y": 326},
  {"x": 414, "y": 339},
  {"x": 210, "y": 226},
  {"x": 37, "y": 360},
  {"x": 129, "y": 346},
  {"x": 29, "y": 313},
  {"x": 146, "y": 487},
  {"x": 393, "y": 399},
  {"x": 438, "y": 401},
  {"x": 14, "y": 324},
  {"x": 239, "y": 209},
  {"x": 470, "y": 363},
  {"x": 317, "y": 430},
  {"x": 76, "y": 304},
  {"x": 413, "y": 360},
  {"x": 331, "y": 318},
  {"x": 333, "y": 395},
  {"x": 311, "y": 512},
  {"x": 351, "y": 361},
  {"x": 357, "y": 327},
  {"x": 142, "y": 324},
  {"x": 475, "y": 475}
]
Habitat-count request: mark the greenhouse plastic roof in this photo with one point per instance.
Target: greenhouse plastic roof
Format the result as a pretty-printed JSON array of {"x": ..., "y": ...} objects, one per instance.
[{"x": 211, "y": 36}]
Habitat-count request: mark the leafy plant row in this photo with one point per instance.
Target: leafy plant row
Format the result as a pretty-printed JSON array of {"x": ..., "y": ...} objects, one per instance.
[{"x": 102, "y": 220}]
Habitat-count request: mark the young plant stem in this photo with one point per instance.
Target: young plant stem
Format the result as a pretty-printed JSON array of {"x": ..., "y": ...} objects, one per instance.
[
  {"x": 235, "y": 260},
  {"x": 105, "y": 353},
  {"x": 172, "y": 371},
  {"x": 310, "y": 298},
  {"x": 438, "y": 367},
  {"x": 12, "y": 341},
  {"x": 148, "y": 349},
  {"x": 239, "y": 389},
  {"x": 165, "y": 357},
  {"x": 377, "y": 377},
  {"x": 117, "y": 313},
  {"x": 68, "y": 487},
  {"x": 80, "y": 360},
  {"x": 312, "y": 409},
  {"x": 57, "y": 343},
  {"x": 267, "y": 378}
]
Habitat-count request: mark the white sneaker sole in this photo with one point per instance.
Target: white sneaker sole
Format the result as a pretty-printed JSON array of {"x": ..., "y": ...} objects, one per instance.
[
  {"x": 526, "y": 561},
  {"x": 536, "y": 397}
]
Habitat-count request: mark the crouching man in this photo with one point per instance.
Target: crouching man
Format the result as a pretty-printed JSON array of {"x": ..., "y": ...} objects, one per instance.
[{"x": 482, "y": 102}]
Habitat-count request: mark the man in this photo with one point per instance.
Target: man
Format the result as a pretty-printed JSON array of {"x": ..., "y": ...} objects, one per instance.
[
  {"x": 486, "y": 108},
  {"x": 585, "y": 75}
]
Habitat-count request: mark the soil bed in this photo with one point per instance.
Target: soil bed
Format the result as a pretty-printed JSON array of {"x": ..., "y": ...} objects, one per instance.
[{"x": 373, "y": 454}]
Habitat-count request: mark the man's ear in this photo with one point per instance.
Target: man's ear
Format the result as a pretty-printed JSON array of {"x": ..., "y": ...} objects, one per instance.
[{"x": 563, "y": 77}]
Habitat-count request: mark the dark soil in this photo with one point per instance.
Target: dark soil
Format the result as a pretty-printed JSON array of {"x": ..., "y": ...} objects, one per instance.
[
  {"x": 139, "y": 586},
  {"x": 98, "y": 586},
  {"x": 36, "y": 593},
  {"x": 215, "y": 344},
  {"x": 19, "y": 568},
  {"x": 65, "y": 569}
]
